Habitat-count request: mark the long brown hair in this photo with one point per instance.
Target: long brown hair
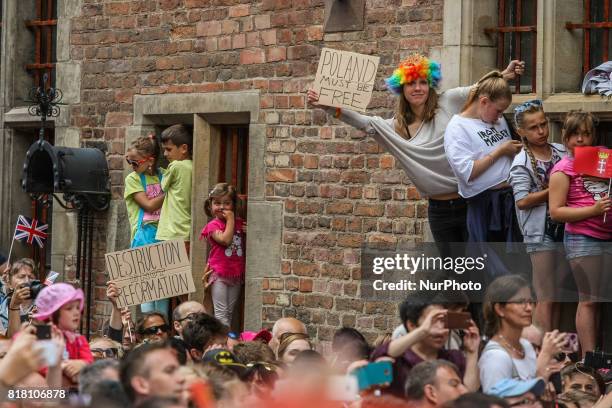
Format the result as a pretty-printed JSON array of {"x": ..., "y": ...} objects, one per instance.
[
  {"x": 574, "y": 120},
  {"x": 404, "y": 115},
  {"x": 492, "y": 85},
  {"x": 500, "y": 291}
]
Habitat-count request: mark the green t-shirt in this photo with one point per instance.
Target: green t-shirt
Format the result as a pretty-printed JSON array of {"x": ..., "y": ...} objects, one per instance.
[
  {"x": 175, "y": 219},
  {"x": 133, "y": 185}
]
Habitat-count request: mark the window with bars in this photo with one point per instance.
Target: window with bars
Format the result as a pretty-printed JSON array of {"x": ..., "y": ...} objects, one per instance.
[
  {"x": 234, "y": 162},
  {"x": 596, "y": 25},
  {"x": 44, "y": 28},
  {"x": 516, "y": 39}
]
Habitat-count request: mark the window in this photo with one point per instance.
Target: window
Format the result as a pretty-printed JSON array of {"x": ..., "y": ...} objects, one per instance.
[
  {"x": 596, "y": 39},
  {"x": 44, "y": 27},
  {"x": 516, "y": 39},
  {"x": 234, "y": 162}
]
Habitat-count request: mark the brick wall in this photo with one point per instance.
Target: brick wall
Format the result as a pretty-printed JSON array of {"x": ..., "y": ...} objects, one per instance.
[{"x": 338, "y": 187}]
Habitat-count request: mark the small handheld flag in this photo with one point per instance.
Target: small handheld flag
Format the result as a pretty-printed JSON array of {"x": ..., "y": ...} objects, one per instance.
[
  {"x": 30, "y": 230},
  {"x": 593, "y": 161}
]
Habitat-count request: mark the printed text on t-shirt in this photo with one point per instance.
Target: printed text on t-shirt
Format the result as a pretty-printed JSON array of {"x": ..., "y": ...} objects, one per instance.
[{"x": 491, "y": 136}]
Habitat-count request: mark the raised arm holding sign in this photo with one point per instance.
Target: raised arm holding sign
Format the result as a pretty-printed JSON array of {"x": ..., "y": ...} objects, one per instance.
[
  {"x": 415, "y": 136},
  {"x": 150, "y": 272},
  {"x": 346, "y": 79}
]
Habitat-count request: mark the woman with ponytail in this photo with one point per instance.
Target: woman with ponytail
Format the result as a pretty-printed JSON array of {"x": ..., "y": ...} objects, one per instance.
[
  {"x": 480, "y": 150},
  {"x": 415, "y": 137},
  {"x": 529, "y": 176}
]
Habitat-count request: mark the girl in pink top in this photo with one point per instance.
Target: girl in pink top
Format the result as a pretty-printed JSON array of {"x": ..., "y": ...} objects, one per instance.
[
  {"x": 226, "y": 234},
  {"x": 61, "y": 304},
  {"x": 581, "y": 202}
]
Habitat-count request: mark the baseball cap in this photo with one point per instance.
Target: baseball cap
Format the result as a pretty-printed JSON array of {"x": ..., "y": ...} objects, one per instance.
[
  {"x": 224, "y": 358},
  {"x": 510, "y": 387}
]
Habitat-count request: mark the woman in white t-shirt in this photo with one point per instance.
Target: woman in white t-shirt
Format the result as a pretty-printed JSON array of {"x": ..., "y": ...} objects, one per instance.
[
  {"x": 508, "y": 308},
  {"x": 480, "y": 150}
]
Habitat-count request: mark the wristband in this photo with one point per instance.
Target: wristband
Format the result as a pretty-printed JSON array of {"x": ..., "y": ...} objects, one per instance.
[{"x": 338, "y": 113}]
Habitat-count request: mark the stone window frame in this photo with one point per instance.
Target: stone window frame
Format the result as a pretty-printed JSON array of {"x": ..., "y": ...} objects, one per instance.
[
  {"x": 559, "y": 55},
  {"x": 208, "y": 112}
]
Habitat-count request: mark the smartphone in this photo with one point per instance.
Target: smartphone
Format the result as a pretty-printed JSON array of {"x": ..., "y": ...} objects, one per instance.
[
  {"x": 343, "y": 388},
  {"x": 49, "y": 351},
  {"x": 377, "y": 374},
  {"x": 457, "y": 320},
  {"x": 43, "y": 332},
  {"x": 571, "y": 345}
]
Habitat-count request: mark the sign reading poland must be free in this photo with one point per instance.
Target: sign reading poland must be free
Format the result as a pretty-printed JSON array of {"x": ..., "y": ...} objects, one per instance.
[
  {"x": 150, "y": 272},
  {"x": 345, "y": 79}
]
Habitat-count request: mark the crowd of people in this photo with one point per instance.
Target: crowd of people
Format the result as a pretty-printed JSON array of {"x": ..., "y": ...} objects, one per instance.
[{"x": 192, "y": 359}]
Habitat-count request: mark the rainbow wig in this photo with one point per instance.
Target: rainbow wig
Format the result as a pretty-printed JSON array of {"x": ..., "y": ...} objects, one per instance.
[{"x": 413, "y": 67}]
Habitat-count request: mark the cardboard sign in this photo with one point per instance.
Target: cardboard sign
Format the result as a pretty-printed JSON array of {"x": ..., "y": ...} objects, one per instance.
[
  {"x": 345, "y": 79},
  {"x": 150, "y": 272}
]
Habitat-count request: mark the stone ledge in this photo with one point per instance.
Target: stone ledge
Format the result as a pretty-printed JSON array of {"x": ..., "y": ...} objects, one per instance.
[
  {"x": 19, "y": 117},
  {"x": 197, "y": 103}
]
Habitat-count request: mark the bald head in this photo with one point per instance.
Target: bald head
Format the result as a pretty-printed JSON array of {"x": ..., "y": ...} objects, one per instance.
[
  {"x": 181, "y": 312},
  {"x": 285, "y": 325}
]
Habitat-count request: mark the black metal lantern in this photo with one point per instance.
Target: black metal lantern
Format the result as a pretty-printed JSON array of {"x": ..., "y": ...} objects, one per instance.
[{"x": 80, "y": 174}]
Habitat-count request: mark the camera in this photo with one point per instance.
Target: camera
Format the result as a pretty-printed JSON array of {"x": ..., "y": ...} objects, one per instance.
[
  {"x": 35, "y": 287},
  {"x": 598, "y": 359}
]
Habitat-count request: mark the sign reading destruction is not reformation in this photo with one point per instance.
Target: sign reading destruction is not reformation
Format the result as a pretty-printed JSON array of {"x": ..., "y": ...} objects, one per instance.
[
  {"x": 150, "y": 272},
  {"x": 345, "y": 79}
]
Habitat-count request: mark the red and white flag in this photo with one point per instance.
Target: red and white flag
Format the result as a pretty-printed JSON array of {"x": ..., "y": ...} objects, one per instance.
[
  {"x": 30, "y": 230},
  {"x": 593, "y": 161}
]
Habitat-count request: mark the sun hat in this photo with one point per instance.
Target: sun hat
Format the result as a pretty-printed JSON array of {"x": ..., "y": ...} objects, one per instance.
[
  {"x": 510, "y": 387},
  {"x": 52, "y": 298},
  {"x": 262, "y": 335}
]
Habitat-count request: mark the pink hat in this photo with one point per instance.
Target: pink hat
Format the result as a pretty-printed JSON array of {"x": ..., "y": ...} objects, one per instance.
[
  {"x": 53, "y": 297},
  {"x": 262, "y": 335}
]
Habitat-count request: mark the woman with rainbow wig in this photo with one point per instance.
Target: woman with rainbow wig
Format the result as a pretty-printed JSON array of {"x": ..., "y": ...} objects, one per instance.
[{"x": 415, "y": 137}]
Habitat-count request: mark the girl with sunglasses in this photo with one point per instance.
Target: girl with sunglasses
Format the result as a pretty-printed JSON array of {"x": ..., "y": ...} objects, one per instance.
[
  {"x": 144, "y": 198},
  {"x": 529, "y": 177}
]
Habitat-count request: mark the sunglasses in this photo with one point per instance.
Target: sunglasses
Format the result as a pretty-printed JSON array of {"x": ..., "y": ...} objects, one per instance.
[
  {"x": 154, "y": 329},
  {"x": 190, "y": 316},
  {"x": 525, "y": 106},
  {"x": 136, "y": 163},
  {"x": 107, "y": 353}
]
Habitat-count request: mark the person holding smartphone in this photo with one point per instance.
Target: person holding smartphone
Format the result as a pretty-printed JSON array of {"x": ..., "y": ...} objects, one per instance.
[
  {"x": 18, "y": 305},
  {"x": 425, "y": 321}
]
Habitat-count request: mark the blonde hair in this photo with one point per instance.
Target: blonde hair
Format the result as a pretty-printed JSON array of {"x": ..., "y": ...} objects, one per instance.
[
  {"x": 492, "y": 85},
  {"x": 220, "y": 190},
  {"x": 404, "y": 115},
  {"x": 18, "y": 265},
  {"x": 519, "y": 120},
  {"x": 574, "y": 120}
]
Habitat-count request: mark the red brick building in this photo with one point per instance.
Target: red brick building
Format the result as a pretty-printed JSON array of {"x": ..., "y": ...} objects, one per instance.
[{"x": 238, "y": 72}]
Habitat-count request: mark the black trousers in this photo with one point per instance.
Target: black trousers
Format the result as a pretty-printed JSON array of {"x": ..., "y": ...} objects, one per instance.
[{"x": 447, "y": 220}]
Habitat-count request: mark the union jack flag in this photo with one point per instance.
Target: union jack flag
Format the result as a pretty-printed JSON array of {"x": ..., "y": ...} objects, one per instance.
[{"x": 29, "y": 230}]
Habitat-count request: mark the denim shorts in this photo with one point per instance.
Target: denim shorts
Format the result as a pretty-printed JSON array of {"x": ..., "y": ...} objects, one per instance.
[
  {"x": 547, "y": 244},
  {"x": 578, "y": 245}
]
